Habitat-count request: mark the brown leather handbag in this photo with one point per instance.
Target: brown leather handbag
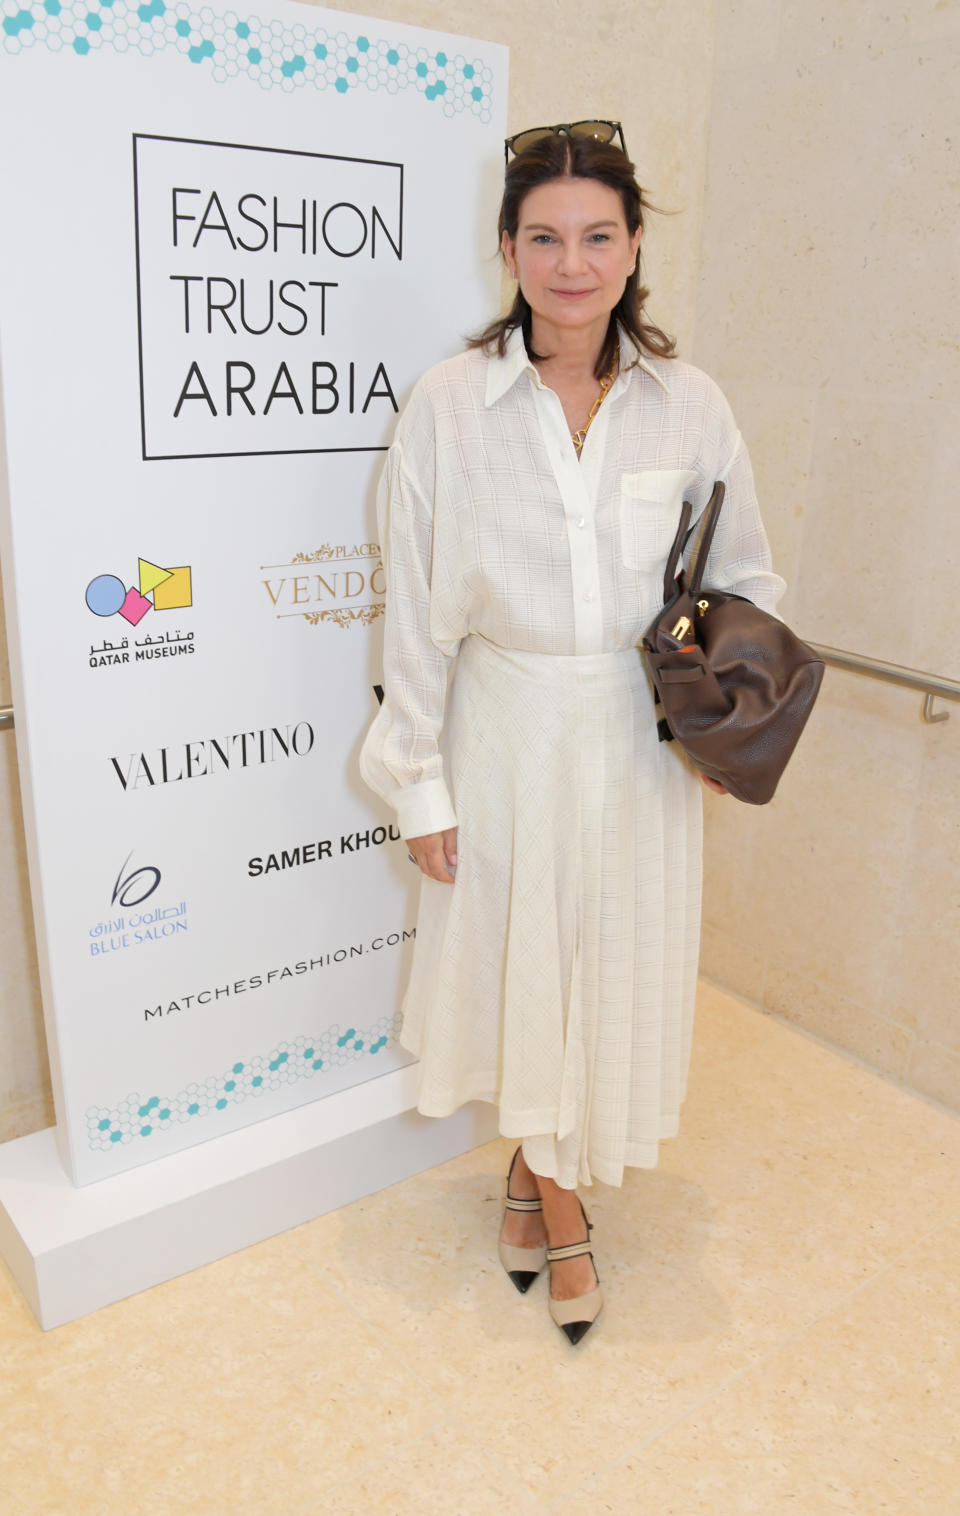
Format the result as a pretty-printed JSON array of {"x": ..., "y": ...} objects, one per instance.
[{"x": 735, "y": 684}]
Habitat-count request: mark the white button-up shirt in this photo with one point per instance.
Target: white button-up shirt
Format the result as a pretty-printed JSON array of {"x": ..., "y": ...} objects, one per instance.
[{"x": 490, "y": 525}]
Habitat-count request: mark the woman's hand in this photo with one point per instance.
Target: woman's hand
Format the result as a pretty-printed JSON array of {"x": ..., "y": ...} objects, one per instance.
[
  {"x": 713, "y": 784},
  {"x": 435, "y": 854}
]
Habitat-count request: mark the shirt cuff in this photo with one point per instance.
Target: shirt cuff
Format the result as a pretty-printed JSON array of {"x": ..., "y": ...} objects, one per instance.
[{"x": 424, "y": 808}]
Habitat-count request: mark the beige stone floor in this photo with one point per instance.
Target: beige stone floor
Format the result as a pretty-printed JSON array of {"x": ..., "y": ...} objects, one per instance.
[{"x": 782, "y": 1335}]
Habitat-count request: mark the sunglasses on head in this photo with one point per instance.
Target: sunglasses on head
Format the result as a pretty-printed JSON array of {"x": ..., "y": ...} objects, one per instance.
[{"x": 596, "y": 131}]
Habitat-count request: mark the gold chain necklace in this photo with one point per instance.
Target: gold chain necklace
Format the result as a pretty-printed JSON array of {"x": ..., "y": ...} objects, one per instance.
[{"x": 580, "y": 437}]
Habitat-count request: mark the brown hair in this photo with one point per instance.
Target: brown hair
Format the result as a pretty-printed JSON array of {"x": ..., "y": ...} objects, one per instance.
[{"x": 559, "y": 157}]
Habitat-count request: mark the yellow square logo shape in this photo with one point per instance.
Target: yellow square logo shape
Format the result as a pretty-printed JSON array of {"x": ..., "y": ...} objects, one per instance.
[{"x": 175, "y": 593}]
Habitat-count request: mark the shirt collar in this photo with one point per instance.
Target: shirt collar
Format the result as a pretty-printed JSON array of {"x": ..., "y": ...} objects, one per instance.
[
  {"x": 503, "y": 373},
  {"x": 631, "y": 356}
]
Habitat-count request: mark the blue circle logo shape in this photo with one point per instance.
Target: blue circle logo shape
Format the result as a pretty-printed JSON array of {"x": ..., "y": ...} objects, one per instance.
[{"x": 105, "y": 595}]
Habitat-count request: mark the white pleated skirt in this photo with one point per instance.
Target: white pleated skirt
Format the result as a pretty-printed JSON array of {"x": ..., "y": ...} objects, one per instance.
[{"x": 556, "y": 976}]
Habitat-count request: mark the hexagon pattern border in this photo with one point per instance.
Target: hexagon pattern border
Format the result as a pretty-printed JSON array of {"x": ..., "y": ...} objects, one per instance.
[
  {"x": 269, "y": 52},
  {"x": 139, "y": 1117}
]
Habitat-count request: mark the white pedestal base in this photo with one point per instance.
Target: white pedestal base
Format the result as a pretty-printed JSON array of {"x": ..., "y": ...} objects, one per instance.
[{"x": 74, "y": 1250}]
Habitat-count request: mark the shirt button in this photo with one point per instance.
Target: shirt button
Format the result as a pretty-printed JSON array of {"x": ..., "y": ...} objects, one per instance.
[
  {"x": 587, "y": 595},
  {"x": 581, "y": 523}
]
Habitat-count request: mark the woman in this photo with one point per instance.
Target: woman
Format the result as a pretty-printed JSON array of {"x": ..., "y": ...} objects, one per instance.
[{"x": 526, "y": 511}]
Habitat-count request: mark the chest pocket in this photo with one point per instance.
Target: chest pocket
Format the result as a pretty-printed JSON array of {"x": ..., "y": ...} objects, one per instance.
[{"x": 650, "y": 506}]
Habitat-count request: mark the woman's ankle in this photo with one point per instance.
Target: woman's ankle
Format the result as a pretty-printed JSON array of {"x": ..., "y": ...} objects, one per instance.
[
  {"x": 524, "y": 1184},
  {"x": 563, "y": 1216}
]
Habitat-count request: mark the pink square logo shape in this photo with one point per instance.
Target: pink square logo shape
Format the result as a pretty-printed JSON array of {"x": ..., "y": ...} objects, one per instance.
[{"x": 135, "y": 607}]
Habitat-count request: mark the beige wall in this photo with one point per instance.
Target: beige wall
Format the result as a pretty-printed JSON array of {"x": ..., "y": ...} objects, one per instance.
[{"x": 828, "y": 310}]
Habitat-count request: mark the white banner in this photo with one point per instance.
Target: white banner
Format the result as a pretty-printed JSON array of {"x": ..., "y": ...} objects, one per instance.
[{"x": 231, "y": 243}]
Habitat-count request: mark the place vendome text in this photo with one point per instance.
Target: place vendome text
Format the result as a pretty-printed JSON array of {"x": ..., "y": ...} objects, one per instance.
[{"x": 219, "y": 304}]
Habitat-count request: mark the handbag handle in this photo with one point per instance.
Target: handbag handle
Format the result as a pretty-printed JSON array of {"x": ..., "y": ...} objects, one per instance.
[
  {"x": 673, "y": 557},
  {"x": 710, "y": 526},
  {"x": 684, "y": 533}
]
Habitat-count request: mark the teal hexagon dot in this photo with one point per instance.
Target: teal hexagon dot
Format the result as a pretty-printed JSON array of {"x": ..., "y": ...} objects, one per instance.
[{"x": 21, "y": 22}]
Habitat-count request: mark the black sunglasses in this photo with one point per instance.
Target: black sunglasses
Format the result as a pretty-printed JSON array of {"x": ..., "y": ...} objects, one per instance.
[{"x": 596, "y": 131}]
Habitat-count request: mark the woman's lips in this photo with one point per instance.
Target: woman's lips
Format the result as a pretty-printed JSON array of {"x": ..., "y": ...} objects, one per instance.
[{"x": 573, "y": 294}]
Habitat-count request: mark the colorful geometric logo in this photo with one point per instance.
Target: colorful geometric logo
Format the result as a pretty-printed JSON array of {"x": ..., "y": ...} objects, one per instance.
[{"x": 171, "y": 588}]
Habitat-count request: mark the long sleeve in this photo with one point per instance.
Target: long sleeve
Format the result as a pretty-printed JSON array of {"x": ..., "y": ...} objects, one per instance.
[{"x": 401, "y": 759}]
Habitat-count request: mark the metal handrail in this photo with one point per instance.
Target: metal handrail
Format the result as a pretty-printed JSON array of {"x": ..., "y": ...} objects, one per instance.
[{"x": 931, "y": 686}]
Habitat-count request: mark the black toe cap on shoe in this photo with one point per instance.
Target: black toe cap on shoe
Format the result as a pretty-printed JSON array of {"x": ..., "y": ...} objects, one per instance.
[
  {"x": 522, "y": 1279},
  {"x": 577, "y": 1330}
]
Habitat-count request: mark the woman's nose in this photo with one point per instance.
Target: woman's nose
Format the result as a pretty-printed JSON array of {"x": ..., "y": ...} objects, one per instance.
[{"x": 571, "y": 259}]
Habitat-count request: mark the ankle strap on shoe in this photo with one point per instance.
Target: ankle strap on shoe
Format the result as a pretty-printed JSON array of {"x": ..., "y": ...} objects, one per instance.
[
  {"x": 573, "y": 1250},
  {"x": 523, "y": 1205}
]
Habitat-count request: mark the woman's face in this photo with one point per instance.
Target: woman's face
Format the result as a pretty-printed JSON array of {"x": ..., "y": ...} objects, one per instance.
[{"x": 572, "y": 252}]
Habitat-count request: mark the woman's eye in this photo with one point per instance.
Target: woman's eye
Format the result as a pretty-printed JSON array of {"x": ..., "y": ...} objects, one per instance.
[
  {"x": 600, "y": 237},
  {"x": 543, "y": 237}
]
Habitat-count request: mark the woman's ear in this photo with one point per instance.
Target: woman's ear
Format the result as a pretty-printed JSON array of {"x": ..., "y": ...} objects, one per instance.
[{"x": 508, "y": 250}]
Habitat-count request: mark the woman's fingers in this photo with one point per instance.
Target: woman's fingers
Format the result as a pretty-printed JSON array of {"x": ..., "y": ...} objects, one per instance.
[
  {"x": 435, "y": 854},
  {"x": 714, "y": 784},
  {"x": 434, "y": 864}
]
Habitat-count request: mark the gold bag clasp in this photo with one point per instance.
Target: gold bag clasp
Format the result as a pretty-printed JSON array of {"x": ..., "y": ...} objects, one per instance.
[{"x": 682, "y": 628}]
